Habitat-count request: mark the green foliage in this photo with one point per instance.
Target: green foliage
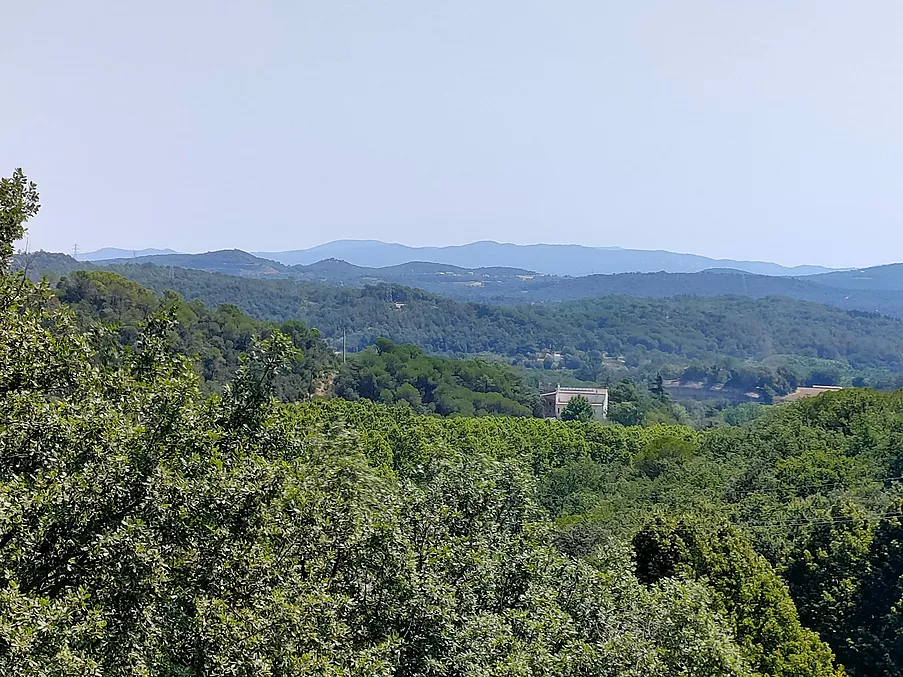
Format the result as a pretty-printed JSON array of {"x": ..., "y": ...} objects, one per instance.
[
  {"x": 633, "y": 404},
  {"x": 744, "y": 588},
  {"x": 162, "y": 513},
  {"x": 845, "y": 572},
  {"x": 660, "y": 453},
  {"x": 147, "y": 529},
  {"x": 626, "y": 413},
  {"x": 872, "y": 290},
  {"x": 19, "y": 202},
  {"x": 677, "y": 331},
  {"x": 779, "y": 380},
  {"x": 404, "y": 374},
  {"x": 578, "y": 409},
  {"x": 213, "y": 338},
  {"x": 742, "y": 414}
]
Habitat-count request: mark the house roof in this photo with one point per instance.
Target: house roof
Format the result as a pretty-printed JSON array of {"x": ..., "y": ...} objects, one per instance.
[{"x": 596, "y": 396}]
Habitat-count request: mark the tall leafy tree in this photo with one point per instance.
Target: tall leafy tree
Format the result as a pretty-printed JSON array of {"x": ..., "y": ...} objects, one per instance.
[
  {"x": 577, "y": 409},
  {"x": 744, "y": 587},
  {"x": 19, "y": 202}
]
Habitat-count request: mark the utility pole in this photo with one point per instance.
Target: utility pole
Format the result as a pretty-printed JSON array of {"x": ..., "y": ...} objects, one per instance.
[{"x": 75, "y": 251}]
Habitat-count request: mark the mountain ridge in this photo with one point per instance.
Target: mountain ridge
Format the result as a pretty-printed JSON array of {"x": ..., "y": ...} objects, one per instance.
[
  {"x": 106, "y": 253},
  {"x": 517, "y": 286},
  {"x": 551, "y": 259}
]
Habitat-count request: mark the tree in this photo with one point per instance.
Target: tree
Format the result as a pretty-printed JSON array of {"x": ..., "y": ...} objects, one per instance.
[
  {"x": 390, "y": 372},
  {"x": 663, "y": 452},
  {"x": 657, "y": 388},
  {"x": 744, "y": 588},
  {"x": 625, "y": 413},
  {"x": 578, "y": 409},
  {"x": 827, "y": 574},
  {"x": 19, "y": 201}
]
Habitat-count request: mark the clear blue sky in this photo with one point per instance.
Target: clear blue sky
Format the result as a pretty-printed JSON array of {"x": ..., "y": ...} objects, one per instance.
[{"x": 768, "y": 129}]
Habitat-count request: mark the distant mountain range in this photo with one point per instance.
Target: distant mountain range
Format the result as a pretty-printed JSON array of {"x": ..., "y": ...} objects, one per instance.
[
  {"x": 502, "y": 285},
  {"x": 114, "y": 253},
  {"x": 551, "y": 259}
]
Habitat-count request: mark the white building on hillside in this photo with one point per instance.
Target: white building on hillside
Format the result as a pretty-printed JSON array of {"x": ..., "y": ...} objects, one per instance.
[{"x": 555, "y": 401}]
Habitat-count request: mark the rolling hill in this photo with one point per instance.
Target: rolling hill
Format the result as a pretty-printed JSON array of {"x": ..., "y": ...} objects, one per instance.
[
  {"x": 500, "y": 285},
  {"x": 519, "y": 285},
  {"x": 644, "y": 334},
  {"x": 642, "y": 330}
]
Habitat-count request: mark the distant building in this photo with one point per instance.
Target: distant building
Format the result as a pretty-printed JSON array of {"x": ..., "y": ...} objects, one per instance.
[
  {"x": 555, "y": 401},
  {"x": 808, "y": 391}
]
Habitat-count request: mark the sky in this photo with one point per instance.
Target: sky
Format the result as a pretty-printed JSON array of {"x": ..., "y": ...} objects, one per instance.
[{"x": 768, "y": 130}]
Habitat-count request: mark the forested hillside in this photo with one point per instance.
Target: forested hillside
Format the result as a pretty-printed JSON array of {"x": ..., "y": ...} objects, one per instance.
[
  {"x": 767, "y": 345},
  {"x": 889, "y": 278},
  {"x": 391, "y": 373},
  {"x": 148, "y": 527},
  {"x": 213, "y": 338},
  {"x": 653, "y": 331},
  {"x": 194, "y": 536},
  {"x": 877, "y": 289}
]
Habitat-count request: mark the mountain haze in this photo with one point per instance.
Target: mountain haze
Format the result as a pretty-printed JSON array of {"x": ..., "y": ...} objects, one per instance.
[
  {"x": 889, "y": 277},
  {"x": 552, "y": 259},
  {"x": 115, "y": 253},
  {"x": 500, "y": 285}
]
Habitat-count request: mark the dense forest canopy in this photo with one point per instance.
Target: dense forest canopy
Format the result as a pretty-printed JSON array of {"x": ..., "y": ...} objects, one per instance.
[
  {"x": 213, "y": 338},
  {"x": 691, "y": 327},
  {"x": 404, "y": 374},
  {"x": 151, "y": 530},
  {"x": 153, "y": 525},
  {"x": 807, "y": 499},
  {"x": 650, "y": 332}
]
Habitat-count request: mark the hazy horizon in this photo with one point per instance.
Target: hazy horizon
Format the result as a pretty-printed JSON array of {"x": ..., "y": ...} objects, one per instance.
[
  {"x": 771, "y": 132},
  {"x": 138, "y": 250}
]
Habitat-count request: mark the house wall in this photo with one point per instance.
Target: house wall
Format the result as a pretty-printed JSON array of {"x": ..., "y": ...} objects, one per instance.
[
  {"x": 600, "y": 411},
  {"x": 554, "y": 403}
]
